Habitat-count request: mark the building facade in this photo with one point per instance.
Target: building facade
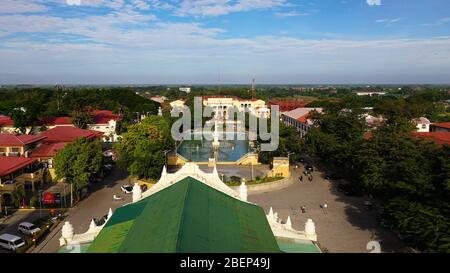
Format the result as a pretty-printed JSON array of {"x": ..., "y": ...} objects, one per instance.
[{"x": 300, "y": 118}]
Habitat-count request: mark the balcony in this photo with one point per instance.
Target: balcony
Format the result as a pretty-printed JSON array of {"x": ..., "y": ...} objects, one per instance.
[{"x": 10, "y": 185}]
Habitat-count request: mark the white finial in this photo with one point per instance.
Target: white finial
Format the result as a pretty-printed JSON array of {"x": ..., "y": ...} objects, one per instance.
[
  {"x": 137, "y": 192},
  {"x": 271, "y": 213},
  {"x": 110, "y": 213},
  {"x": 310, "y": 227},
  {"x": 243, "y": 193},
  {"x": 67, "y": 231},
  {"x": 288, "y": 224},
  {"x": 275, "y": 216},
  {"x": 92, "y": 225},
  {"x": 215, "y": 172}
]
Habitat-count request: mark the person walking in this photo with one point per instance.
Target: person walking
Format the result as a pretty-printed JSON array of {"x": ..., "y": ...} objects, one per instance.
[{"x": 301, "y": 178}]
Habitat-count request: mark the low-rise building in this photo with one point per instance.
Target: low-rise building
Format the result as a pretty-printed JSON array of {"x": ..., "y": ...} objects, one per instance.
[
  {"x": 422, "y": 124},
  {"x": 280, "y": 167},
  {"x": 185, "y": 89},
  {"x": 56, "y": 139},
  {"x": 440, "y": 127},
  {"x": 6, "y": 125},
  {"x": 18, "y": 173},
  {"x": 105, "y": 121},
  {"x": 256, "y": 107},
  {"x": 300, "y": 118},
  {"x": 18, "y": 145}
]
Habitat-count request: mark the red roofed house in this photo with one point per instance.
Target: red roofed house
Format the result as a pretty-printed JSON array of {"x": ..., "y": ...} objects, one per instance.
[
  {"x": 105, "y": 121},
  {"x": 56, "y": 139},
  {"x": 440, "y": 127},
  {"x": 440, "y": 138},
  {"x": 300, "y": 119},
  {"x": 52, "y": 122},
  {"x": 18, "y": 173},
  {"x": 18, "y": 145},
  {"x": 6, "y": 125}
]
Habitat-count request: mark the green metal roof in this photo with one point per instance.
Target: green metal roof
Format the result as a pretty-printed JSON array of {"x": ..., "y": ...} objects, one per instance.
[{"x": 187, "y": 217}]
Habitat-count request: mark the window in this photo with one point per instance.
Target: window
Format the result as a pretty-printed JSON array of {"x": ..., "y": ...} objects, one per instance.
[
  {"x": 15, "y": 150},
  {"x": 424, "y": 126}
]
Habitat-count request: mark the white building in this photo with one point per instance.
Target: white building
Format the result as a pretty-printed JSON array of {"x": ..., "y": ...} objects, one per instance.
[
  {"x": 256, "y": 107},
  {"x": 185, "y": 89},
  {"x": 422, "y": 124},
  {"x": 300, "y": 118}
]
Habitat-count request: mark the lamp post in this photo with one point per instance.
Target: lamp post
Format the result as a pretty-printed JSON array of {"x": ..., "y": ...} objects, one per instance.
[{"x": 165, "y": 157}]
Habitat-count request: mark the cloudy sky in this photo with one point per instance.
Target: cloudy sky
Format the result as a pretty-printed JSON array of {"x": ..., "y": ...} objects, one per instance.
[{"x": 195, "y": 41}]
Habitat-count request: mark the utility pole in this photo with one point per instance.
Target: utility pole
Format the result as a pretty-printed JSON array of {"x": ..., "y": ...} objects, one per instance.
[{"x": 71, "y": 195}]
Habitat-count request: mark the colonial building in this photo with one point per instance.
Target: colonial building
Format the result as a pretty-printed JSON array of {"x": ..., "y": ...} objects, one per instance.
[
  {"x": 105, "y": 121},
  {"x": 55, "y": 139},
  {"x": 191, "y": 211},
  {"x": 18, "y": 173},
  {"x": 300, "y": 118},
  {"x": 18, "y": 145},
  {"x": 223, "y": 103}
]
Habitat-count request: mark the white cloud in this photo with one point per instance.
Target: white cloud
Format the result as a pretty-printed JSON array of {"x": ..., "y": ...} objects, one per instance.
[
  {"x": 73, "y": 2},
  {"x": 374, "y": 2},
  {"x": 387, "y": 21},
  {"x": 223, "y": 7},
  {"x": 20, "y": 6},
  {"x": 290, "y": 14}
]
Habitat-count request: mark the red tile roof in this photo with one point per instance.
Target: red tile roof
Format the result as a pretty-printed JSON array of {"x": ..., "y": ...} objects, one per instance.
[
  {"x": 442, "y": 125},
  {"x": 441, "y": 138},
  {"x": 104, "y": 116},
  {"x": 10, "y": 164},
  {"x": 52, "y": 121},
  {"x": 68, "y": 134},
  {"x": 8, "y": 140},
  {"x": 6, "y": 121},
  {"x": 48, "y": 149}
]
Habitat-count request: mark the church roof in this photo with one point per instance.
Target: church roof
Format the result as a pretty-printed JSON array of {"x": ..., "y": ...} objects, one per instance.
[{"x": 187, "y": 217}]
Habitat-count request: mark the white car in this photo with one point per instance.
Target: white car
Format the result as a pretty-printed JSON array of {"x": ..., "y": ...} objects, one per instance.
[
  {"x": 11, "y": 242},
  {"x": 28, "y": 228},
  {"x": 127, "y": 188}
]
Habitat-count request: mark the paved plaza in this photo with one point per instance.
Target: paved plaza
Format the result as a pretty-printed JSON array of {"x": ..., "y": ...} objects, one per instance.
[{"x": 345, "y": 226}]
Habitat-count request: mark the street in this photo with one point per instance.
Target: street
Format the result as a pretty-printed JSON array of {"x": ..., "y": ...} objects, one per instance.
[{"x": 95, "y": 205}]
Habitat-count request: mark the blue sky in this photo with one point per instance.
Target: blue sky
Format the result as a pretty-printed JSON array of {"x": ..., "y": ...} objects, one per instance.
[{"x": 193, "y": 41}]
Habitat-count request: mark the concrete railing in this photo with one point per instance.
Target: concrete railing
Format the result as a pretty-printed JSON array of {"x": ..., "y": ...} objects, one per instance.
[{"x": 269, "y": 186}]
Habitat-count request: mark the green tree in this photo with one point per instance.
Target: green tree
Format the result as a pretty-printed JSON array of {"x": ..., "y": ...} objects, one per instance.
[
  {"x": 78, "y": 162},
  {"x": 140, "y": 150}
]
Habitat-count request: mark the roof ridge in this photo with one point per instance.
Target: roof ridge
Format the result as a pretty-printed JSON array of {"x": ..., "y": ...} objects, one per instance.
[{"x": 182, "y": 212}]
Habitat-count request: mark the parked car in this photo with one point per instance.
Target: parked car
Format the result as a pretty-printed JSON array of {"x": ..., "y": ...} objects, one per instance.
[
  {"x": 309, "y": 167},
  {"x": 107, "y": 169},
  {"x": 127, "y": 188},
  {"x": 11, "y": 242},
  {"x": 28, "y": 228}
]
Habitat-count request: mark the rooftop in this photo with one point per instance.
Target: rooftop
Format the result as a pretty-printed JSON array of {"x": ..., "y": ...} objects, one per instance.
[
  {"x": 301, "y": 114},
  {"x": 11, "y": 164},
  {"x": 442, "y": 125},
  {"x": 55, "y": 121},
  {"x": 68, "y": 134},
  {"x": 48, "y": 149},
  {"x": 9, "y": 140},
  {"x": 441, "y": 138},
  {"x": 104, "y": 116},
  {"x": 6, "y": 121}
]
